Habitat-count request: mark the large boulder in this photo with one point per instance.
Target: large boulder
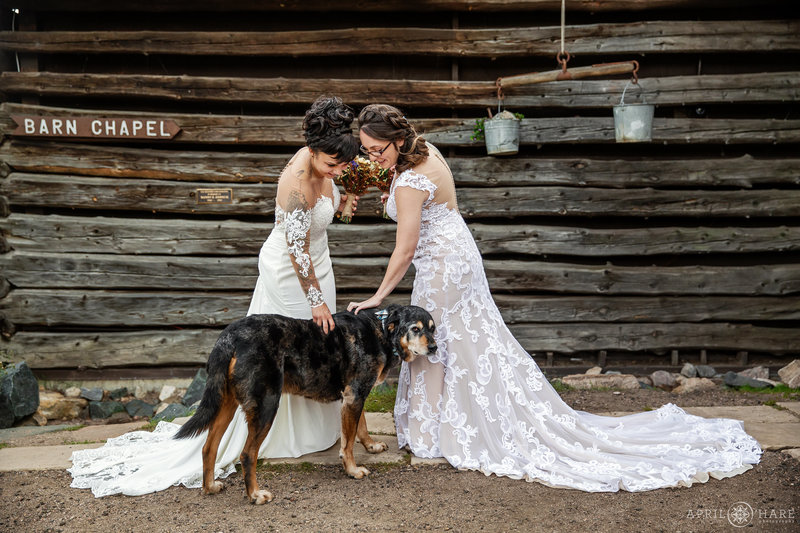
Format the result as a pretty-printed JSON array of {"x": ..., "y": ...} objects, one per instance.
[
  {"x": 689, "y": 370},
  {"x": 732, "y": 379},
  {"x": 705, "y": 371},
  {"x": 172, "y": 411},
  {"x": 611, "y": 381},
  {"x": 757, "y": 372},
  {"x": 790, "y": 374},
  {"x": 105, "y": 409},
  {"x": 94, "y": 394},
  {"x": 694, "y": 384},
  {"x": 55, "y": 406},
  {"x": 138, "y": 407},
  {"x": 19, "y": 393},
  {"x": 195, "y": 390},
  {"x": 663, "y": 380}
]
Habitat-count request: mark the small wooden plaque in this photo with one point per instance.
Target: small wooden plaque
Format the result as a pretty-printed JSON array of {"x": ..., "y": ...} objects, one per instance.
[{"x": 214, "y": 196}]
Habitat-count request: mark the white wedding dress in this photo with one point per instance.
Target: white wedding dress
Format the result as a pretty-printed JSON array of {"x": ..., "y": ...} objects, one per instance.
[
  {"x": 482, "y": 403},
  {"x": 142, "y": 462}
]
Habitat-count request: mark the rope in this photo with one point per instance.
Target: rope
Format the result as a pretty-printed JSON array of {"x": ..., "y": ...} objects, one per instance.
[{"x": 563, "y": 22}]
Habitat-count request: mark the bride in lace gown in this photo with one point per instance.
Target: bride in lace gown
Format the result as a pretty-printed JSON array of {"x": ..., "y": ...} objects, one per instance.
[
  {"x": 296, "y": 280},
  {"x": 481, "y": 402}
]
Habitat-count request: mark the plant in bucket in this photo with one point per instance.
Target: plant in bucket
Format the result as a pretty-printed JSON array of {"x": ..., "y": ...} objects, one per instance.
[
  {"x": 358, "y": 176},
  {"x": 633, "y": 122},
  {"x": 501, "y": 132}
]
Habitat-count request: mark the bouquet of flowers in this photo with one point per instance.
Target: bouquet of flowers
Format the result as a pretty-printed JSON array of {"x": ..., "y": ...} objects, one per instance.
[{"x": 357, "y": 177}]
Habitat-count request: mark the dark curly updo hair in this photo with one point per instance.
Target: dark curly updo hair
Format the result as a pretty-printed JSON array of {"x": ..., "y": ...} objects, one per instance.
[
  {"x": 327, "y": 128},
  {"x": 387, "y": 123}
]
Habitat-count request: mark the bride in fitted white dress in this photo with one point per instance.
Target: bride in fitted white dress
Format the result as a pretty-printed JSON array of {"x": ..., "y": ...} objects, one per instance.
[
  {"x": 296, "y": 280},
  {"x": 481, "y": 402}
]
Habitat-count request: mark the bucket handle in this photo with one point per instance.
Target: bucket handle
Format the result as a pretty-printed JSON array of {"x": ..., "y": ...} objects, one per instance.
[{"x": 637, "y": 84}]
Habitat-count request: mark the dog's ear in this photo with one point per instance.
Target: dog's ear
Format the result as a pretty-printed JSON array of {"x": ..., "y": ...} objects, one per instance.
[{"x": 393, "y": 314}]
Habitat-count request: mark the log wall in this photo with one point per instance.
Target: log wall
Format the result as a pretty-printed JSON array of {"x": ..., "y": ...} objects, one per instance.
[{"x": 684, "y": 245}]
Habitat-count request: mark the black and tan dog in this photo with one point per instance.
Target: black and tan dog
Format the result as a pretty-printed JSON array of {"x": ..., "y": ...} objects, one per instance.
[{"x": 259, "y": 356}]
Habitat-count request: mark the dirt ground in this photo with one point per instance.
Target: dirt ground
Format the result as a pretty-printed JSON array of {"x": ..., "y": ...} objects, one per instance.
[{"x": 411, "y": 498}]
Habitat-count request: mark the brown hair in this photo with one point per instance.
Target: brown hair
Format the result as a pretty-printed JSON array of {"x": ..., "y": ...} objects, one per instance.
[{"x": 387, "y": 123}]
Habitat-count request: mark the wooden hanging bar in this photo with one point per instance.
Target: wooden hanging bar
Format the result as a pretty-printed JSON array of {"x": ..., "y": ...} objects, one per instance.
[{"x": 603, "y": 69}]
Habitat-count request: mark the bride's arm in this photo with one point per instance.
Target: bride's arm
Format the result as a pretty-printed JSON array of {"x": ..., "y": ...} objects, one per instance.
[{"x": 409, "y": 211}]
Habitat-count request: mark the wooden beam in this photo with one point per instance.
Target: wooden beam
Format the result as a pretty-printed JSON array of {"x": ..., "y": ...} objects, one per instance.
[
  {"x": 286, "y": 131},
  {"x": 77, "y": 192},
  {"x": 413, "y": 6},
  {"x": 192, "y": 346},
  {"x": 657, "y": 36},
  {"x": 106, "y": 235},
  {"x": 769, "y": 87},
  {"x": 81, "y": 271},
  {"x": 111, "y": 308},
  {"x": 248, "y": 167}
]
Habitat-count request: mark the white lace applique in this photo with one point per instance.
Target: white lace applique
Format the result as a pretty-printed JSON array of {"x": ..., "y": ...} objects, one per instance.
[
  {"x": 314, "y": 297},
  {"x": 494, "y": 410},
  {"x": 298, "y": 223}
]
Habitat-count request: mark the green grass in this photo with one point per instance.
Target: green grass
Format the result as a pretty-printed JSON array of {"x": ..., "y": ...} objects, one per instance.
[
  {"x": 74, "y": 428},
  {"x": 381, "y": 399},
  {"x": 69, "y": 442},
  {"x": 3, "y": 445},
  {"x": 782, "y": 389},
  {"x": 559, "y": 386}
]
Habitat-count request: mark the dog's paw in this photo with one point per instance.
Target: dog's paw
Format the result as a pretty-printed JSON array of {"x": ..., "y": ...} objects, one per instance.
[
  {"x": 377, "y": 447},
  {"x": 358, "y": 472},
  {"x": 215, "y": 487},
  {"x": 260, "y": 497}
]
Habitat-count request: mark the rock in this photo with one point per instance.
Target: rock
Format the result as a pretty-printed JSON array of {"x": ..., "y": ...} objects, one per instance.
[
  {"x": 104, "y": 409},
  {"x": 196, "y": 388},
  {"x": 19, "y": 393},
  {"x": 172, "y": 411},
  {"x": 93, "y": 395},
  {"x": 39, "y": 418},
  {"x": 732, "y": 379},
  {"x": 55, "y": 406},
  {"x": 694, "y": 384},
  {"x": 119, "y": 417},
  {"x": 117, "y": 394},
  {"x": 705, "y": 371},
  {"x": 614, "y": 381},
  {"x": 689, "y": 370},
  {"x": 140, "y": 408},
  {"x": 140, "y": 392},
  {"x": 663, "y": 380},
  {"x": 73, "y": 392},
  {"x": 679, "y": 378},
  {"x": 790, "y": 374},
  {"x": 167, "y": 391},
  {"x": 613, "y": 372},
  {"x": 594, "y": 371},
  {"x": 647, "y": 381},
  {"x": 758, "y": 372}
]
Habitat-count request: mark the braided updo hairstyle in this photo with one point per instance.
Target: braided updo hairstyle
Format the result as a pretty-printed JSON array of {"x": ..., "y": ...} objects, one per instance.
[
  {"x": 327, "y": 128},
  {"x": 387, "y": 123}
]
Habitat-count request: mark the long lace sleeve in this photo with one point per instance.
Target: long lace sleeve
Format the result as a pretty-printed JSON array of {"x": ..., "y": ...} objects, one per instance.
[{"x": 298, "y": 226}]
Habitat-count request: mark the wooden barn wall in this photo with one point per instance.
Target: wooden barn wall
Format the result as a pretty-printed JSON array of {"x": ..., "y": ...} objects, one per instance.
[{"x": 683, "y": 247}]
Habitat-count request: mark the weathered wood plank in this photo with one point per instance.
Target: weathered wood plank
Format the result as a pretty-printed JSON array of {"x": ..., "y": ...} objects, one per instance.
[
  {"x": 77, "y": 192},
  {"x": 769, "y": 87},
  {"x": 286, "y": 131},
  {"x": 192, "y": 346},
  {"x": 102, "y": 308},
  {"x": 80, "y": 271},
  {"x": 247, "y": 167},
  {"x": 657, "y": 36},
  {"x": 68, "y": 234},
  {"x": 373, "y": 6}
]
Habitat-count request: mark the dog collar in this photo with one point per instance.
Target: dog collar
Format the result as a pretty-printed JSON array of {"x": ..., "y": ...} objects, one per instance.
[{"x": 382, "y": 316}]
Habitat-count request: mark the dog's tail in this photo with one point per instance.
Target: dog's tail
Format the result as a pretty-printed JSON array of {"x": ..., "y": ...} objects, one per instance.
[{"x": 217, "y": 381}]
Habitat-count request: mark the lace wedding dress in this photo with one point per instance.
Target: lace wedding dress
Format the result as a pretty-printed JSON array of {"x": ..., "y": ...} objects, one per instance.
[
  {"x": 482, "y": 403},
  {"x": 142, "y": 462}
]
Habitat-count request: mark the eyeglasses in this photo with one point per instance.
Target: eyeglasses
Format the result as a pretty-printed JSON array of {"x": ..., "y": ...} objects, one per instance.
[{"x": 375, "y": 153}]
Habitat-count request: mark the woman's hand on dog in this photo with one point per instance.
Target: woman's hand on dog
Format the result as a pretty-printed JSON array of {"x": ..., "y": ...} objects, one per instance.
[
  {"x": 322, "y": 317},
  {"x": 369, "y": 303}
]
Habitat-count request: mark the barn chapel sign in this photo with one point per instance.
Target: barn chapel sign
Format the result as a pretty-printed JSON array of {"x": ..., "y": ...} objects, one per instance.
[{"x": 94, "y": 128}]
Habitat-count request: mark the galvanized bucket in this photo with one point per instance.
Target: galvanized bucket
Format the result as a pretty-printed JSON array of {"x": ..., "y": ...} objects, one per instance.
[
  {"x": 502, "y": 136},
  {"x": 633, "y": 122}
]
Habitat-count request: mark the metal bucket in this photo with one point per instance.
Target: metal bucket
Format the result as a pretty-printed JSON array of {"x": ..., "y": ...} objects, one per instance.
[
  {"x": 633, "y": 122},
  {"x": 502, "y": 136}
]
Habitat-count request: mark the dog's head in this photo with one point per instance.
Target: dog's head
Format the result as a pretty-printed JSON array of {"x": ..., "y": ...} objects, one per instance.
[{"x": 411, "y": 330}]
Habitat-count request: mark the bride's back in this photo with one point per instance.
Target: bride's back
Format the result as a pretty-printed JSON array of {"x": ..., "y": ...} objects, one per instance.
[{"x": 436, "y": 169}]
